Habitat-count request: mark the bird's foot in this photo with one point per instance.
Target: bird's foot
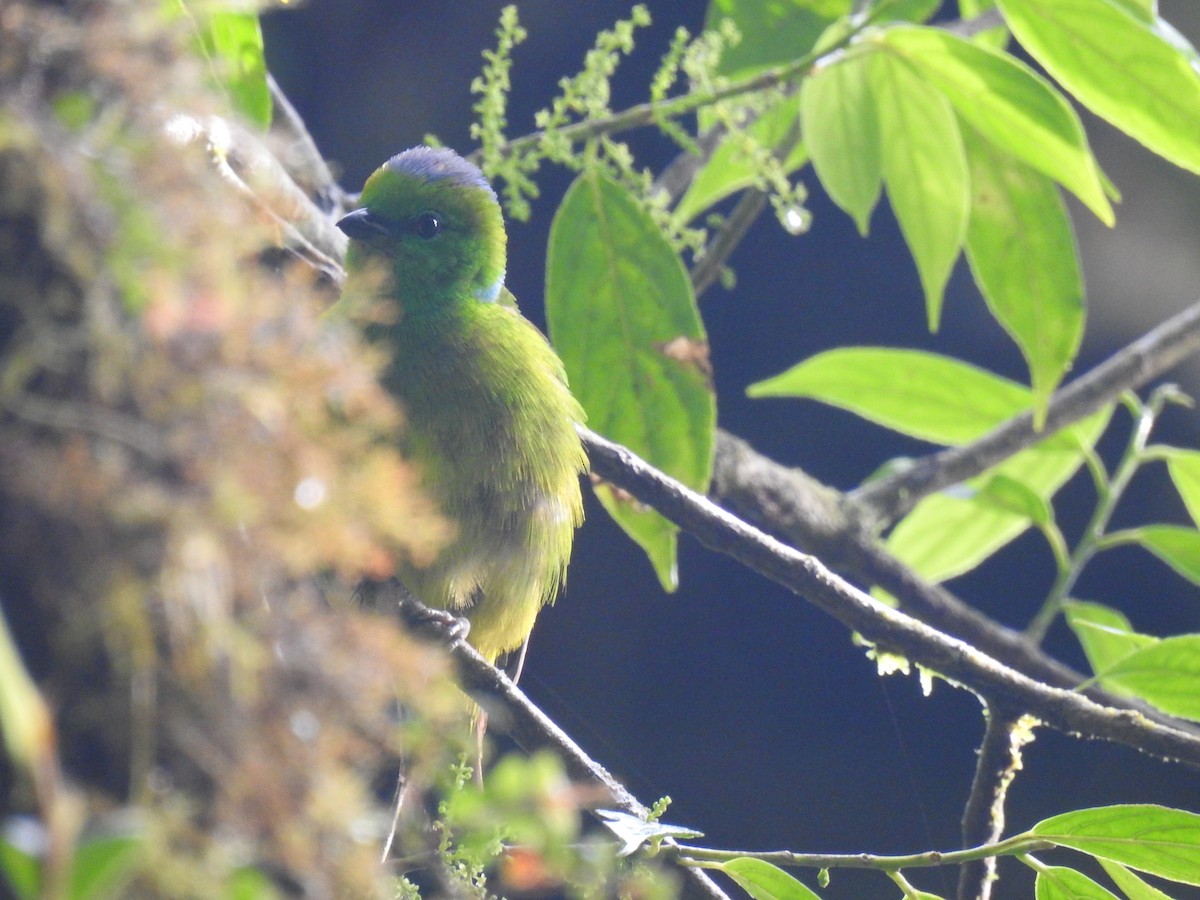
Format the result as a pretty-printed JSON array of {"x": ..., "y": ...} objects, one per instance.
[{"x": 440, "y": 624}]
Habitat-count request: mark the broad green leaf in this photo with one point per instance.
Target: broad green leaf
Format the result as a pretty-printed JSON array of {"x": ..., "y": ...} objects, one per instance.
[
  {"x": 773, "y": 32},
  {"x": 1154, "y": 839},
  {"x": 1022, "y": 251},
  {"x": 1184, "y": 467},
  {"x": 235, "y": 41},
  {"x": 948, "y": 534},
  {"x": 1104, "y": 633},
  {"x": 951, "y": 532},
  {"x": 763, "y": 881},
  {"x": 841, "y": 132},
  {"x": 924, "y": 395},
  {"x": 624, "y": 320},
  {"x": 1118, "y": 65},
  {"x": 1131, "y": 886},
  {"x": 729, "y": 169},
  {"x": 1008, "y": 103},
  {"x": 925, "y": 171},
  {"x": 1061, "y": 883},
  {"x": 1165, "y": 673},
  {"x": 1175, "y": 545},
  {"x": 1005, "y": 493},
  {"x": 103, "y": 865}
]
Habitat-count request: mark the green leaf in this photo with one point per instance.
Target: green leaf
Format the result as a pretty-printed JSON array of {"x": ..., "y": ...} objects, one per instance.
[
  {"x": 729, "y": 169},
  {"x": 1154, "y": 839},
  {"x": 1175, "y": 545},
  {"x": 1165, "y": 673},
  {"x": 773, "y": 31},
  {"x": 623, "y": 318},
  {"x": 1120, "y": 66},
  {"x": 1008, "y": 103},
  {"x": 1061, "y": 883},
  {"x": 234, "y": 40},
  {"x": 1104, "y": 633},
  {"x": 1132, "y": 886},
  {"x": 951, "y": 532},
  {"x": 763, "y": 881},
  {"x": 841, "y": 131},
  {"x": 103, "y": 865},
  {"x": 948, "y": 534},
  {"x": 1022, "y": 251},
  {"x": 925, "y": 171},
  {"x": 1184, "y": 468},
  {"x": 1003, "y": 492},
  {"x": 924, "y": 395}
]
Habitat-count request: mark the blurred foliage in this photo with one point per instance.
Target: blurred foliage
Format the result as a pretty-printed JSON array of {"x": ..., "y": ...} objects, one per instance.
[{"x": 195, "y": 472}]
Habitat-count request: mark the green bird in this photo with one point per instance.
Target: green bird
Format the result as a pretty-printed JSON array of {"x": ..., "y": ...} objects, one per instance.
[{"x": 489, "y": 419}]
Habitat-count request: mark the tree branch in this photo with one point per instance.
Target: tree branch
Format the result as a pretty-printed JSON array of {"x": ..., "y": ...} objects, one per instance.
[
  {"x": 721, "y": 247},
  {"x": 793, "y": 506},
  {"x": 889, "y": 629},
  {"x": 1158, "y": 350},
  {"x": 983, "y": 817}
]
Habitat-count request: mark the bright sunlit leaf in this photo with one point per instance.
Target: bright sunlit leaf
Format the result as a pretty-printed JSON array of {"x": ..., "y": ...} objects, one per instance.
[
  {"x": 1154, "y": 839},
  {"x": 1120, "y": 65},
  {"x": 1021, "y": 248},
  {"x": 924, "y": 169},
  {"x": 1010, "y": 105},
  {"x": 1165, "y": 673},
  {"x": 841, "y": 132}
]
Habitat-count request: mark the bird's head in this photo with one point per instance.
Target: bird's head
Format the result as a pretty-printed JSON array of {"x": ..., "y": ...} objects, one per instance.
[{"x": 432, "y": 222}]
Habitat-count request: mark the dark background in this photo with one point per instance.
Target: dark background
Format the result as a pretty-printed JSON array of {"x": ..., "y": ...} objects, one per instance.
[{"x": 757, "y": 714}]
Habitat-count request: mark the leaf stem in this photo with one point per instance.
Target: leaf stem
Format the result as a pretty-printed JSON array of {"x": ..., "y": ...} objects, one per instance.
[
  {"x": 1093, "y": 539},
  {"x": 1017, "y": 845}
]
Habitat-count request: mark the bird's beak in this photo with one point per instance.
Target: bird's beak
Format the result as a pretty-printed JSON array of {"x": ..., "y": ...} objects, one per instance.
[{"x": 360, "y": 225}]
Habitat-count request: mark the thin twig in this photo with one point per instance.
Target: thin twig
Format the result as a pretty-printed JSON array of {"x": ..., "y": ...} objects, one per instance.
[
  {"x": 253, "y": 170},
  {"x": 887, "y": 499},
  {"x": 1017, "y": 844},
  {"x": 708, "y": 270},
  {"x": 509, "y": 710},
  {"x": 1090, "y": 541},
  {"x": 677, "y": 176},
  {"x": 300, "y": 156}
]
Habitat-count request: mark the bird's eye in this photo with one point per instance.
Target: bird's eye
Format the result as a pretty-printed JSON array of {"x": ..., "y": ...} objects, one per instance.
[{"x": 427, "y": 225}]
